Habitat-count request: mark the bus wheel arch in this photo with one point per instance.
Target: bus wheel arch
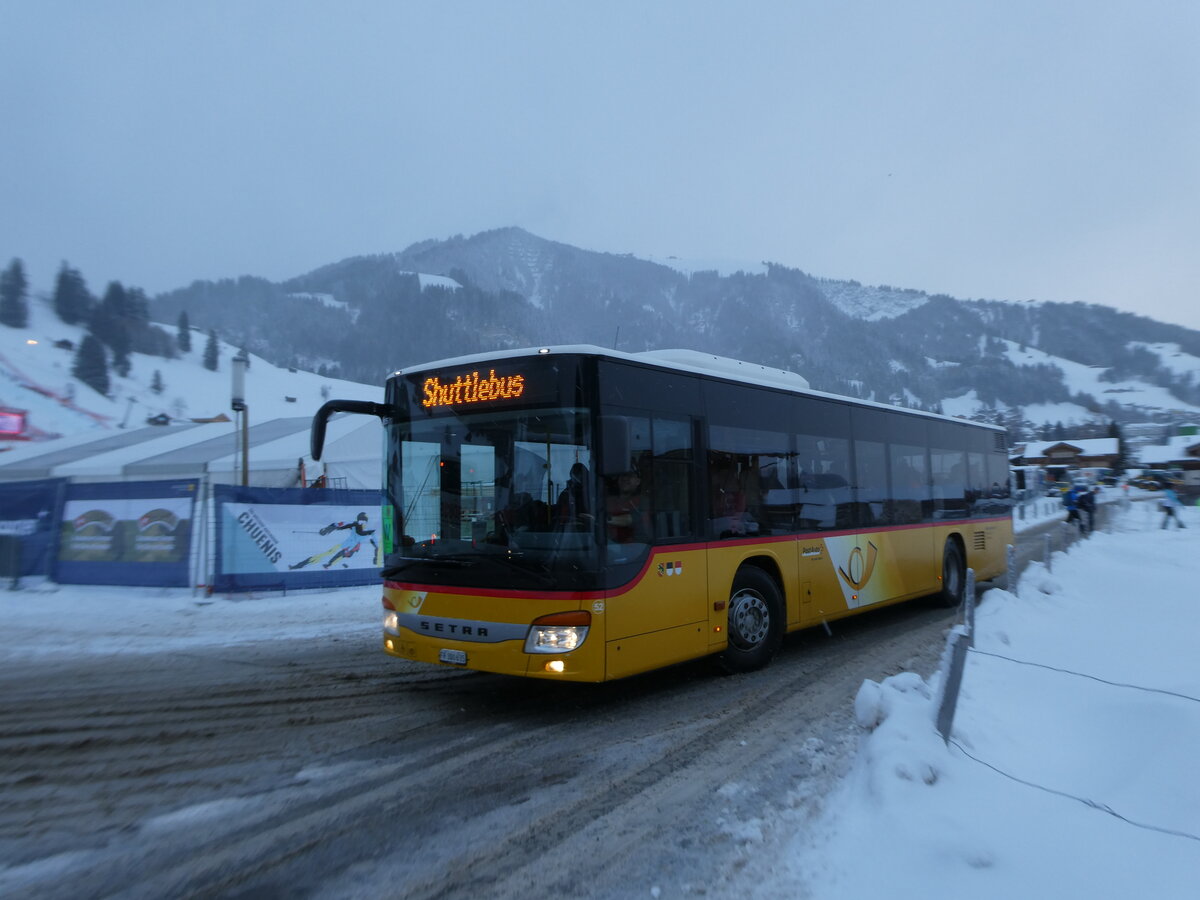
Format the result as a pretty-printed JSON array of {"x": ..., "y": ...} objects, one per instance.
[
  {"x": 954, "y": 572},
  {"x": 756, "y": 617}
]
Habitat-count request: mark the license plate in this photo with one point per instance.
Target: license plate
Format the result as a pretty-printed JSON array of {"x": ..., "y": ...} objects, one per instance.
[{"x": 457, "y": 657}]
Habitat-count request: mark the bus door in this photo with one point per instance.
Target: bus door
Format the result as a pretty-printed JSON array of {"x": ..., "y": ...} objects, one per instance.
[
  {"x": 650, "y": 528},
  {"x": 893, "y": 504},
  {"x": 859, "y": 579},
  {"x": 823, "y": 507},
  {"x": 908, "y": 514}
]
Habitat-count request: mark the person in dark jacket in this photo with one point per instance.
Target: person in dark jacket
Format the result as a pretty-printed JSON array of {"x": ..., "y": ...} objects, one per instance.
[
  {"x": 1085, "y": 500},
  {"x": 573, "y": 507},
  {"x": 1071, "y": 502}
]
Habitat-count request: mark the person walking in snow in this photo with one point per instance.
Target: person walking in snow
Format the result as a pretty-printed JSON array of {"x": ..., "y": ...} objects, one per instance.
[
  {"x": 1085, "y": 500},
  {"x": 1071, "y": 502},
  {"x": 1170, "y": 506}
]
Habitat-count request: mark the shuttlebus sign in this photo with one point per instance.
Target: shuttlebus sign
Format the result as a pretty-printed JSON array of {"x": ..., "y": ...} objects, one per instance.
[{"x": 468, "y": 389}]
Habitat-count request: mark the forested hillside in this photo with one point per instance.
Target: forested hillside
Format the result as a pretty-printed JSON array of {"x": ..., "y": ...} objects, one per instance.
[{"x": 366, "y": 316}]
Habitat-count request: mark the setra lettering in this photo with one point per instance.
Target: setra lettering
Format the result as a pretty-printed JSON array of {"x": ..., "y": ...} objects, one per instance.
[{"x": 452, "y": 628}]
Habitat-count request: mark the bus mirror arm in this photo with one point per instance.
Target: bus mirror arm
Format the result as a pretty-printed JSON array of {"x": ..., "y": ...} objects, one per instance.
[{"x": 321, "y": 419}]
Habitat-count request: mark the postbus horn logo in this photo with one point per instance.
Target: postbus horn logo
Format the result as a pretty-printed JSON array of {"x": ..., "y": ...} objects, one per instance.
[{"x": 860, "y": 571}]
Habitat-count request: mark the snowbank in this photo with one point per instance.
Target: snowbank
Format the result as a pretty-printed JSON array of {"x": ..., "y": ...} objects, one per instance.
[
  {"x": 1071, "y": 766},
  {"x": 160, "y": 620}
]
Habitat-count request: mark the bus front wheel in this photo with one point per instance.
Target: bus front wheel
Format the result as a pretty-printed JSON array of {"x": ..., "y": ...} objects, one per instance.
[
  {"x": 755, "y": 628},
  {"x": 954, "y": 575}
]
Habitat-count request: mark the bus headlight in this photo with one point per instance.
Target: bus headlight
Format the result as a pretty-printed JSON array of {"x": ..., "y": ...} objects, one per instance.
[
  {"x": 558, "y": 633},
  {"x": 391, "y": 623}
]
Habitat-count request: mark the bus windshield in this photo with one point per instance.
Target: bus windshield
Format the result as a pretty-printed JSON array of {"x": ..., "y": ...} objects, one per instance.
[{"x": 496, "y": 497}]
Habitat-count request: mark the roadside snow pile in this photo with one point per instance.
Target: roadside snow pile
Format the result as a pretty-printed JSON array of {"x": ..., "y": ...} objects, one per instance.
[
  {"x": 1071, "y": 765},
  {"x": 51, "y": 619}
]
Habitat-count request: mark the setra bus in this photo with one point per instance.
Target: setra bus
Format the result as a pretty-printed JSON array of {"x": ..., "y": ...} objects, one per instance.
[{"x": 584, "y": 514}]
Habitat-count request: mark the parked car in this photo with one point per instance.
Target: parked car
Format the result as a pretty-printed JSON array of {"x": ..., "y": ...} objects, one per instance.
[
  {"x": 1170, "y": 478},
  {"x": 1144, "y": 482}
]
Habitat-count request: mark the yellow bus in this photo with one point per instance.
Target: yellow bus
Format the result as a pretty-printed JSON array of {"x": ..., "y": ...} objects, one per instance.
[{"x": 582, "y": 514}]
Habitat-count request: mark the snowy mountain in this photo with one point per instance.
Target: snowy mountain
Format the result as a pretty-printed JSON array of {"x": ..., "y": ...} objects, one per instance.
[
  {"x": 872, "y": 303},
  {"x": 1028, "y": 365},
  {"x": 35, "y": 377}
]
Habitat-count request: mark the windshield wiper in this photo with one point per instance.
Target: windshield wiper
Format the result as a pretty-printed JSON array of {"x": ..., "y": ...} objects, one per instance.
[
  {"x": 453, "y": 562},
  {"x": 527, "y": 567},
  {"x": 461, "y": 560}
]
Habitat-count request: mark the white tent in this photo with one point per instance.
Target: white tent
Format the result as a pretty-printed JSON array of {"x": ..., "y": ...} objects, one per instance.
[{"x": 278, "y": 453}]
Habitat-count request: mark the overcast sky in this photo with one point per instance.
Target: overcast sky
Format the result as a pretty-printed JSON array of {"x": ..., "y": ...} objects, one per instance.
[{"x": 1008, "y": 150}]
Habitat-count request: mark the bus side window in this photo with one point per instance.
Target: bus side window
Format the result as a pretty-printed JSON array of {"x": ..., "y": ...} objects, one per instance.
[
  {"x": 949, "y": 482},
  {"x": 673, "y": 466},
  {"x": 910, "y": 484},
  {"x": 727, "y": 493},
  {"x": 821, "y": 485},
  {"x": 748, "y": 468},
  {"x": 871, "y": 481},
  {"x": 661, "y": 451},
  {"x": 642, "y": 462}
]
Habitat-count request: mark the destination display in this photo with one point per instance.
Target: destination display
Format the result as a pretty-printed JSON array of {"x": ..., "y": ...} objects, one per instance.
[
  {"x": 469, "y": 389},
  {"x": 495, "y": 384}
]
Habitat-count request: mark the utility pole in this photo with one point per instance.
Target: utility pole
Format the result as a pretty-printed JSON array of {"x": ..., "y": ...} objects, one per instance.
[{"x": 241, "y": 362}]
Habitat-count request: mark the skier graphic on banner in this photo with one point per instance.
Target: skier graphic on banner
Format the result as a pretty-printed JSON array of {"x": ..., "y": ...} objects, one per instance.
[{"x": 346, "y": 548}]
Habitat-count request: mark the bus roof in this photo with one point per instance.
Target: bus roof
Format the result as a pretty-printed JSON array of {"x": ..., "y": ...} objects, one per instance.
[{"x": 691, "y": 361}]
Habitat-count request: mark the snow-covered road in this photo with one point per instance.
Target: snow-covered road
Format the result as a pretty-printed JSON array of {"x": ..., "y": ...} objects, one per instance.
[
  {"x": 167, "y": 760},
  {"x": 156, "y": 743}
]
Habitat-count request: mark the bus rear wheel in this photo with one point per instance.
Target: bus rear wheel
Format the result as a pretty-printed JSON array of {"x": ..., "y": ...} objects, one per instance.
[
  {"x": 755, "y": 628},
  {"x": 954, "y": 575}
]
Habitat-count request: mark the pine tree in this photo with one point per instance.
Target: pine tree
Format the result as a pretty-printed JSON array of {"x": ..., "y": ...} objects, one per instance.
[
  {"x": 14, "y": 305},
  {"x": 116, "y": 300},
  {"x": 112, "y": 324},
  {"x": 121, "y": 362},
  {"x": 156, "y": 383},
  {"x": 137, "y": 306},
  {"x": 91, "y": 365},
  {"x": 184, "y": 338},
  {"x": 211, "y": 351},
  {"x": 72, "y": 302},
  {"x": 105, "y": 320}
]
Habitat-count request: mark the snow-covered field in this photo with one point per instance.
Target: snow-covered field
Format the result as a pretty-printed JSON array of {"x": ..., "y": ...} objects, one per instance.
[
  {"x": 1084, "y": 379},
  {"x": 1070, "y": 771},
  {"x": 35, "y": 375}
]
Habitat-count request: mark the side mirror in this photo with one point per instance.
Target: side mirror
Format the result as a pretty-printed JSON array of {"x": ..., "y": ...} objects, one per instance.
[{"x": 321, "y": 419}]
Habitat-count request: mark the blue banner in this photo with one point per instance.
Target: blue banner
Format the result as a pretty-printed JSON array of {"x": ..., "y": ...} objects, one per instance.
[
  {"x": 134, "y": 533},
  {"x": 29, "y": 510},
  {"x": 295, "y": 538}
]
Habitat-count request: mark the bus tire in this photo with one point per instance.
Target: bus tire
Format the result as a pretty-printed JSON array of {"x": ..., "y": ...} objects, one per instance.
[
  {"x": 755, "y": 624},
  {"x": 954, "y": 575}
]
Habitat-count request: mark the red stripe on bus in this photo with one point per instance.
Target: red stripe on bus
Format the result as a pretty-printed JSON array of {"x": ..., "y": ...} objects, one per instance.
[
  {"x": 491, "y": 592},
  {"x": 670, "y": 550}
]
